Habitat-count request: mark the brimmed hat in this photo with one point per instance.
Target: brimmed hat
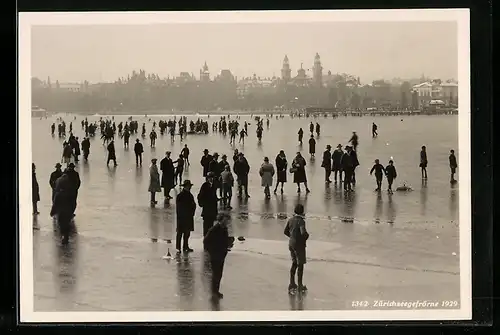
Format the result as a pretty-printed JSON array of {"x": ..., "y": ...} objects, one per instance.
[
  {"x": 187, "y": 182},
  {"x": 215, "y": 154},
  {"x": 58, "y": 165},
  {"x": 210, "y": 174},
  {"x": 328, "y": 146},
  {"x": 339, "y": 146},
  {"x": 154, "y": 159},
  {"x": 71, "y": 165},
  {"x": 206, "y": 150}
]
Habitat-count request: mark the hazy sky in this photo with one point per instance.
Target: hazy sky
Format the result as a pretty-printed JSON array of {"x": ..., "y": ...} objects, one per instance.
[{"x": 370, "y": 50}]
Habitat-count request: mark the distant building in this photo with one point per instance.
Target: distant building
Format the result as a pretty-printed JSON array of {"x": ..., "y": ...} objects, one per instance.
[
  {"x": 69, "y": 87},
  {"x": 317, "y": 72},
  {"x": 204, "y": 73},
  {"x": 286, "y": 72},
  {"x": 449, "y": 92}
]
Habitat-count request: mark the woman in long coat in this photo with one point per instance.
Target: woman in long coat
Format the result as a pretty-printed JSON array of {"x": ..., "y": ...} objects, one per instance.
[
  {"x": 167, "y": 177},
  {"x": 299, "y": 172},
  {"x": 266, "y": 173},
  {"x": 281, "y": 168},
  {"x": 154, "y": 181}
]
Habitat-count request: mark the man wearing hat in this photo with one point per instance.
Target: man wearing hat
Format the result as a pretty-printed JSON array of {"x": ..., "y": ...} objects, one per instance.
[
  {"x": 73, "y": 183},
  {"x": 138, "y": 150},
  {"x": 347, "y": 164},
  {"x": 241, "y": 170},
  {"x": 217, "y": 243},
  {"x": 327, "y": 163},
  {"x": 53, "y": 178},
  {"x": 185, "y": 209},
  {"x": 207, "y": 199},
  {"x": 336, "y": 166},
  {"x": 167, "y": 176},
  {"x": 205, "y": 161}
]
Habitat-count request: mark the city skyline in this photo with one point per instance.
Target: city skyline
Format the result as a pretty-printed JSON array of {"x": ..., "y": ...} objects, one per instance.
[{"x": 106, "y": 53}]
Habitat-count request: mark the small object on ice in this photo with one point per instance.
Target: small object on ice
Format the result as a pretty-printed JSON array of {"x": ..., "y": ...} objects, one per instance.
[
  {"x": 241, "y": 238},
  {"x": 387, "y": 143},
  {"x": 437, "y": 236},
  {"x": 168, "y": 255},
  {"x": 168, "y": 241},
  {"x": 454, "y": 253}
]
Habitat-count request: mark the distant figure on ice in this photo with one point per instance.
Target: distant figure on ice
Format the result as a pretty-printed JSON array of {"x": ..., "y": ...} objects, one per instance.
[
  {"x": 138, "y": 150},
  {"x": 243, "y": 133},
  {"x": 67, "y": 153},
  {"x": 379, "y": 173},
  {"x": 153, "y": 136},
  {"x": 301, "y": 135},
  {"x": 374, "y": 130},
  {"x": 312, "y": 146},
  {"x": 111, "y": 153},
  {"x": 354, "y": 141},
  {"x": 86, "y": 148},
  {"x": 281, "y": 170},
  {"x": 296, "y": 231},
  {"x": 390, "y": 172},
  {"x": 311, "y": 128},
  {"x": 326, "y": 163},
  {"x": 154, "y": 181},
  {"x": 227, "y": 181},
  {"x": 423, "y": 162},
  {"x": 453, "y": 165},
  {"x": 185, "y": 210},
  {"x": 318, "y": 129},
  {"x": 35, "y": 189},
  {"x": 185, "y": 154},
  {"x": 266, "y": 173},
  {"x": 217, "y": 242},
  {"x": 179, "y": 169}
]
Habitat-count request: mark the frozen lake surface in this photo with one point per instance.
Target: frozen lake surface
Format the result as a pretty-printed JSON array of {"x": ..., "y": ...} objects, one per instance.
[{"x": 410, "y": 240}]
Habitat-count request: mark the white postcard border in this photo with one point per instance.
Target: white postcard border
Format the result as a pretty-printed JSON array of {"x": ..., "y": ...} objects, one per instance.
[{"x": 26, "y": 282}]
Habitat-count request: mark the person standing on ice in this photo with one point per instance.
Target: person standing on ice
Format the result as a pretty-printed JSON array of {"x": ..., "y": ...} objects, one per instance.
[{"x": 295, "y": 230}]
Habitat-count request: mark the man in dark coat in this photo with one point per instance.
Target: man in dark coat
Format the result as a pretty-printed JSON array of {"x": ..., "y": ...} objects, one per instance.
[
  {"x": 312, "y": 146},
  {"x": 35, "y": 190},
  {"x": 347, "y": 165},
  {"x": 205, "y": 161},
  {"x": 53, "y": 178},
  {"x": 453, "y": 165},
  {"x": 207, "y": 199},
  {"x": 218, "y": 242},
  {"x": 213, "y": 166},
  {"x": 185, "y": 209},
  {"x": 111, "y": 152},
  {"x": 70, "y": 183},
  {"x": 86, "y": 148},
  {"x": 336, "y": 166},
  {"x": 242, "y": 169},
  {"x": 327, "y": 163},
  {"x": 167, "y": 176},
  {"x": 138, "y": 149},
  {"x": 63, "y": 207}
]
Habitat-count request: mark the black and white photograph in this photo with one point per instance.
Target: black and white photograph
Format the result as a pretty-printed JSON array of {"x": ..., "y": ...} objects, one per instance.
[{"x": 244, "y": 166}]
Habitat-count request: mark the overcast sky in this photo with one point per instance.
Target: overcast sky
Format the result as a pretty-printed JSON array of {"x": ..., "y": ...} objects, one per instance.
[{"x": 370, "y": 50}]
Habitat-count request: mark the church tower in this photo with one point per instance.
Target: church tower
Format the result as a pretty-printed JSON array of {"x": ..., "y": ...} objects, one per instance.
[
  {"x": 317, "y": 71},
  {"x": 204, "y": 73},
  {"x": 286, "y": 72}
]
